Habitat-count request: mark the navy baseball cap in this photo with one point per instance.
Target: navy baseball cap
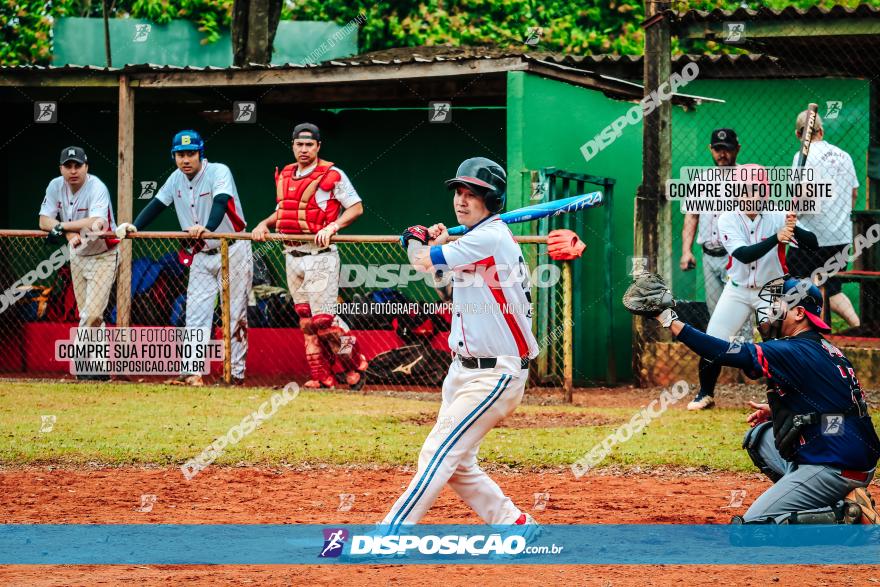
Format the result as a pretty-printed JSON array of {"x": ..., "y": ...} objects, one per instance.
[
  {"x": 809, "y": 298},
  {"x": 305, "y": 129},
  {"x": 724, "y": 137},
  {"x": 73, "y": 154}
]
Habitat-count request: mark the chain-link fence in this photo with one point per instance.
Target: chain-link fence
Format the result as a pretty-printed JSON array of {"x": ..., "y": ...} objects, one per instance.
[
  {"x": 767, "y": 67},
  {"x": 361, "y": 309}
]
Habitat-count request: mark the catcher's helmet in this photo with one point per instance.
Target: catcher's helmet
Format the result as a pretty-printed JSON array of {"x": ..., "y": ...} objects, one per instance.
[
  {"x": 486, "y": 178},
  {"x": 188, "y": 140}
]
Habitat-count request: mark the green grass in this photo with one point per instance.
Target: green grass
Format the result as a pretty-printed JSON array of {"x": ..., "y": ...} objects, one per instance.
[{"x": 155, "y": 424}]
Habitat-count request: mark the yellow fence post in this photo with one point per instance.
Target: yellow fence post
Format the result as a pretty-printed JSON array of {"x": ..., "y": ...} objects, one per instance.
[
  {"x": 567, "y": 336},
  {"x": 225, "y": 311}
]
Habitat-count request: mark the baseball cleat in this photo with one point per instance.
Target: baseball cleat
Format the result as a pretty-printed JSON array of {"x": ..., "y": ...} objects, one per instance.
[
  {"x": 356, "y": 379},
  {"x": 190, "y": 380},
  {"x": 865, "y": 502},
  {"x": 702, "y": 402},
  {"x": 326, "y": 383},
  {"x": 530, "y": 528}
]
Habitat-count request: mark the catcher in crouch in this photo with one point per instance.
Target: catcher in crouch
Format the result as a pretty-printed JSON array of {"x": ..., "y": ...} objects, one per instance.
[{"x": 813, "y": 438}]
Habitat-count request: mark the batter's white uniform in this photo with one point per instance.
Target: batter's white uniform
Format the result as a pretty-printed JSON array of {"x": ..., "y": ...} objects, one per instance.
[
  {"x": 93, "y": 264},
  {"x": 715, "y": 267},
  {"x": 192, "y": 201},
  {"x": 744, "y": 280},
  {"x": 491, "y": 319}
]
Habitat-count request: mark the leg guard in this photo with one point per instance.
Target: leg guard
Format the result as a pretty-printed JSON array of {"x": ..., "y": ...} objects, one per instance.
[
  {"x": 319, "y": 368},
  {"x": 840, "y": 513},
  {"x": 751, "y": 441}
]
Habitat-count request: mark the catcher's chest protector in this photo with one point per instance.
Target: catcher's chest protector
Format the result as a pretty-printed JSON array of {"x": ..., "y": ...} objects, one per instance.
[{"x": 298, "y": 211}]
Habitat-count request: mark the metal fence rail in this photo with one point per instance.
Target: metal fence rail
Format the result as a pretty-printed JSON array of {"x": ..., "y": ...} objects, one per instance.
[{"x": 405, "y": 343}]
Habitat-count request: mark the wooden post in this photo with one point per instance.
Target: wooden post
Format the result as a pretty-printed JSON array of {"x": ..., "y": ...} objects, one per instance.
[
  {"x": 652, "y": 235},
  {"x": 124, "y": 185},
  {"x": 567, "y": 337},
  {"x": 225, "y": 312}
]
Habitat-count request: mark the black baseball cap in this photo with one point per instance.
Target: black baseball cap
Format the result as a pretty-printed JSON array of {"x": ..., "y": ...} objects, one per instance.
[
  {"x": 307, "y": 128},
  {"x": 73, "y": 154},
  {"x": 724, "y": 137}
]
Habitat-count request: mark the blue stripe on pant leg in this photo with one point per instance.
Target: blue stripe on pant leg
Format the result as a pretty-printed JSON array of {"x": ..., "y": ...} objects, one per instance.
[
  {"x": 420, "y": 489},
  {"x": 440, "y": 448}
]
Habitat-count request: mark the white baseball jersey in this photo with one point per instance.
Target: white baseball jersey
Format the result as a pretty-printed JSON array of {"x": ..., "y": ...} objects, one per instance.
[
  {"x": 833, "y": 226},
  {"x": 737, "y": 230},
  {"x": 193, "y": 199},
  {"x": 490, "y": 293},
  {"x": 91, "y": 200},
  {"x": 707, "y": 231}
]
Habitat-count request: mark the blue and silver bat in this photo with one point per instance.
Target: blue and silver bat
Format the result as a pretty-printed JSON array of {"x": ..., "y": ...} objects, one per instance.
[{"x": 554, "y": 208}]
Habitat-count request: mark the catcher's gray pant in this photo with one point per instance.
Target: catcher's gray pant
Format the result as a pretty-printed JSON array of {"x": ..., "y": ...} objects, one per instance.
[
  {"x": 205, "y": 282},
  {"x": 714, "y": 279},
  {"x": 801, "y": 488}
]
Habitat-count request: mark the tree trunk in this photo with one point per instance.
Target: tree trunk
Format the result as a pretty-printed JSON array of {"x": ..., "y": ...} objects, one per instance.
[{"x": 254, "y": 24}]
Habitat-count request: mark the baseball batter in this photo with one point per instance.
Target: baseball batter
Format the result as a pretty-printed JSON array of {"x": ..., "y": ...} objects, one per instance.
[
  {"x": 205, "y": 198},
  {"x": 755, "y": 244},
  {"x": 492, "y": 347},
  {"x": 75, "y": 201},
  {"x": 315, "y": 197},
  {"x": 723, "y": 147},
  {"x": 814, "y": 437}
]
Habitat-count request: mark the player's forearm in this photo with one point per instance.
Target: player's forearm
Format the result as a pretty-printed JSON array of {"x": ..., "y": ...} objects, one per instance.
[
  {"x": 148, "y": 214},
  {"x": 718, "y": 351},
  {"x": 805, "y": 238},
  {"x": 754, "y": 252},
  {"x": 688, "y": 231},
  {"x": 218, "y": 211},
  {"x": 350, "y": 214},
  {"x": 47, "y": 223}
]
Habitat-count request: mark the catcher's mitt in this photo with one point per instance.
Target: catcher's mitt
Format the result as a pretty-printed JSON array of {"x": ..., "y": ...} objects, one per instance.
[
  {"x": 564, "y": 245},
  {"x": 56, "y": 236},
  {"x": 647, "y": 295}
]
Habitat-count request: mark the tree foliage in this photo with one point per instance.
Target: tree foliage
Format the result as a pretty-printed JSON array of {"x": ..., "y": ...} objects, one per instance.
[{"x": 584, "y": 27}]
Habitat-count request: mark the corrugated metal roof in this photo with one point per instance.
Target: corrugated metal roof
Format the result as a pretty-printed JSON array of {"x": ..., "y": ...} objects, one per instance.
[
  {"x": 787, "y": 13},
  {"x": 414, "y": 56}
]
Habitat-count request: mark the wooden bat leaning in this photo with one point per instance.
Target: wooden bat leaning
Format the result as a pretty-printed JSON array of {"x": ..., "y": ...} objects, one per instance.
[{"x": 554, "y": 208}]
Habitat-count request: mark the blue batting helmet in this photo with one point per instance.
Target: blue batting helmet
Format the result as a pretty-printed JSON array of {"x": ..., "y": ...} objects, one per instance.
[{"x": 188, "y": 140}]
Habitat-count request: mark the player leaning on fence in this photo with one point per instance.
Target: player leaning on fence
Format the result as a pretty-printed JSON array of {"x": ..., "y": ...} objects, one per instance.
[
  {"x": 206, "y": 200},
  {"x": 313, "y": 196},
  {"x": 76, "y": 201}
]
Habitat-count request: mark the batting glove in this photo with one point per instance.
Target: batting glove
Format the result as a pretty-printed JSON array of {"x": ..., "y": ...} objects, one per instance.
[
  {"x": 123, "y": 229},
  {"x": 417, "y": 232}
]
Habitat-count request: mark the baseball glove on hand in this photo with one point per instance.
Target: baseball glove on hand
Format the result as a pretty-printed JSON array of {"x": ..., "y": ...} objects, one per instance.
[
  {"x": 648, "y": 295},
  {"x": 56, "y": 235}
]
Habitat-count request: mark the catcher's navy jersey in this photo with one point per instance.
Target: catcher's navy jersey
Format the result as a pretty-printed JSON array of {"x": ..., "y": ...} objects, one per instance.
[{"x": 812, "y": 375}]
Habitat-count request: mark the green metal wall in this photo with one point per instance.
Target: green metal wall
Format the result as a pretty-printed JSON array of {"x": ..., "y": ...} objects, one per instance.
[
  {"x": 547, "y": 122},
  {"x": 80, "y": 41},
  {"x": 763, "y": 113}
]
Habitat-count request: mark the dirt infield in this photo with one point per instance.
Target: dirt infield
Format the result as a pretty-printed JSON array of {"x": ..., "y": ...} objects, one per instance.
[{"x": 273, "y": 496}]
